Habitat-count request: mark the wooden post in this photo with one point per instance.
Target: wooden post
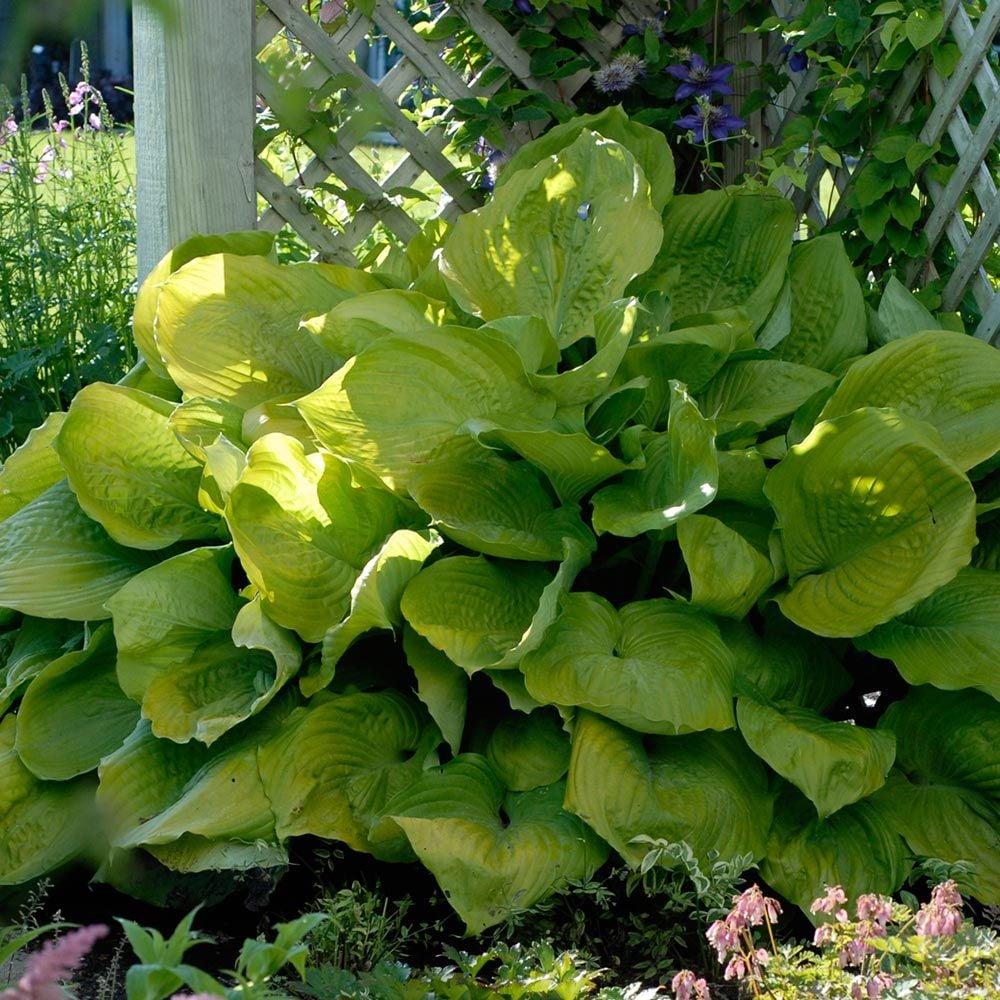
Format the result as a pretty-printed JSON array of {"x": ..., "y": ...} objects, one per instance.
[{"x": 194, "y": 116}]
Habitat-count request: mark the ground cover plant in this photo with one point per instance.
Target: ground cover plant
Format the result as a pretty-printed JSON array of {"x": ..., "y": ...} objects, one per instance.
[
  {"x": 67, "y": 256},
  {"x": 606, "y": 514}
]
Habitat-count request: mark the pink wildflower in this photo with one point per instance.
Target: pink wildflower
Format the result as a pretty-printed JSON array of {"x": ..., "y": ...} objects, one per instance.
[
  {"x": 77, "y": 100},
  {"x": 60, "y": 126},
  {"x": 7, "y": 167},
  {"x": 736, "y": 969},
  {"x": 752, "y": 906},
  {"x": 824, "y": 935},
  {"x": 877, "y": 984},
  {"x": 831, "y": 902},
  {"x": 95, "y": 122},
  {"x": 53, "y": 963},
  {"x": 724, "y": 936},
  {"x": 686, "y": 987},
  {"x": 873, "y": 907}
]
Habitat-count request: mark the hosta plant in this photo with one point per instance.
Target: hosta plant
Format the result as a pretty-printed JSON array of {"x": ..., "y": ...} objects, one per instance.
[{"x": 588, "y": 519}]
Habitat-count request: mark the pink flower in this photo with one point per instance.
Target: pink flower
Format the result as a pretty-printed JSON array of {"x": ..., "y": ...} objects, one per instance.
[
  {"x": 832, "y": 902},
  {"x": 942, "y": 916},
  {"x": 724, "y": 936},
  {"x": 95, "y": 122},
  {"x": 686, "y": 987},
  {"x": 824, "y": 935},
  {"x": 78, "y": 98},
  {"x": 873, "y": 907},
  {"x": 60, "y": 126},
  {"x": 878, "y": 983},
  {"x": 751, "y": 906},
  {"x": 947, "y": 894},
  {"x": 53, "y": 963},
  {"x": 736, "y": 969},
  {"x": 7, "y": 167}
]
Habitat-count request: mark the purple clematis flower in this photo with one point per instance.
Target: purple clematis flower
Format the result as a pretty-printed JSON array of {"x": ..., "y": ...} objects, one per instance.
[
  {"x": 797, "y": 61},
  {"x": 524, "y": 7},
  {"x": 698, "y": 79},
  {"x": 710, "y": 120}
]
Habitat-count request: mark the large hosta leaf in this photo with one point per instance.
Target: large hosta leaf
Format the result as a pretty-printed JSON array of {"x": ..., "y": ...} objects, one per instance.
[
  {"x": 723, "y": 249},
  {"x": 32, "y": 469},
  {"x": 197, "y": 657},
  {"x": 228, "y": 326},
  {"x": 832, "y": 763},
  {"x": 375, "y": 599},
  {"x": 947, "y": 747},
  {"x": 338, "y": 761},
  {"x": 680, "y": 476},
  {"x": 950, "y": 639},
  {"x": 304, "y": 528},
  {"x": 749, "y": 395},
  {"x": 647, "y": 145},
  {"x": 42, "y": 823},
  {"x": 391, "y": 406},
  {"x": 706, "y": 789},
  {"x": 529, "y": 751},
  {"x": 828, "y": 311},
  {"x": 474, "y": 609},
  {"x": 785, "y": 663},
  {"x": 859, "y": 848},
  {"x": 354, "y": 324},
  {"x": 492, "y": 505},
  {"x": 727, "y": 572},
  {"x": 55, "y": 562},
  {"x": 493, "y": 853},
  {"x": 656, "y": 666},
  {"x": 485, "y": 613},
  {"x": 128, "y": 469},
  {"x": 155, "y": 792},
  {"x": 250, "y": 243},
  {"x": 948, "y": 379},
  {"x": 558, "y": 240},
  {"x": 74, "y": 713},
  {"x": 873, "y": 518},
  {"x": 442, "y": 686}
]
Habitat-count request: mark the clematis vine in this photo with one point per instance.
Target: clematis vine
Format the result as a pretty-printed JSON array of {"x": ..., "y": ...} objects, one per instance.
[
  {"x": 620, "y": 74},
  {"x": 698, "y": 79},
  {"x": 711, "y": 120}
]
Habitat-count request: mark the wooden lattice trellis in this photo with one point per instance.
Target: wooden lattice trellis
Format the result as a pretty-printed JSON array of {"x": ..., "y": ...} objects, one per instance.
[{"x": 425, "y": 150}]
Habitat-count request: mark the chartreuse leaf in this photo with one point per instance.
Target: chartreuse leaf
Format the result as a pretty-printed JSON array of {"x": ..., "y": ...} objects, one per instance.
[
  {"x": 529, "y": 751},
  {"x": 248, "y": 243},
  {"x": 558, "y": 240},
  {"x": 690, "y": 355},
  {"x": 723, "y": 249},
  {"x": 74, "y": 712},
  {"x": 356, "y": 323},
  {"x": 199, "y": 423},
  {"x": 747, "y": 396},
  {"x": 194, "y": 654},
  {"x": 873, "y": 518},
  {"x": 727, "y": 573},
  {"x": 488, "y": 613},
  {"x": 227, "y": 326},
  {"x": 573, "y": 461},
  {"x": 32, "y": 469},
  {"x": 338, "y": 761},
  {"x": 785, "y": 663},
  {"x": 950, "y": 639},
  {"x": 474, "y": 609},
  {"x": 42, "y": 823},
  {"x": 37, "y": 643},
  {"x": 828, "y": 310},
  {"x": 655, "y": 666},
  {"x": 155, "y": 792},
  {"x": 647, "y": 145},
  {"x": 947, "y": 379},
  {"x": 442, "y": 686},
  {"x": 375, "y": 598},
  {"x": 530, "y": 336},
  {"x": 225, "y": 463},
  {"x": 680, "y": 476},
  {"x": 832, "y": 763},
  {"x": 55, "y": 562},
  {"x": 129, "y": 471},
  {"x": 304, "y": 528},
  {"x": 613, "y": 329},
  {"x": 949, "y": 808},
  {"x": 390, "y": 407},
  {"x": 706, "y": 789},
  {"x": 900, "y": 314},
  {"x": 493, "y": 852},
  {"x": 858, "y": 847},
  {"x": 492, "y": 505}
]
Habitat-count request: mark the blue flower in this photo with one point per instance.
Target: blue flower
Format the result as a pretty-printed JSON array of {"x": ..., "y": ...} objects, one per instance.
[
  {"x": 701, "y": 80},
  {"x": 524, "y": 7},
  {"x": 797, "y": 61},
  {"x": 619, "y": 74},
  {"x": 710, "y": 120}
]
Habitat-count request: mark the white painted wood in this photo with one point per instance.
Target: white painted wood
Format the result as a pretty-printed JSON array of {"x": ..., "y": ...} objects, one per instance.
[{"x": 194, "y": 116}]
